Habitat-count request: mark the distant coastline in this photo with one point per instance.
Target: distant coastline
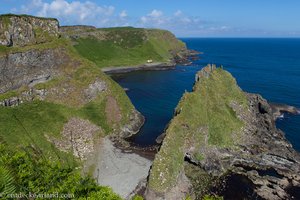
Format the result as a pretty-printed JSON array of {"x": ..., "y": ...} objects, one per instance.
[{"x": 147, "y": 66}]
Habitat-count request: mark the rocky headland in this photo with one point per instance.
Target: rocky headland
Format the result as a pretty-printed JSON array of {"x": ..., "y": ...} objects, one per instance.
[
  {"x": 55, "y": 97},
  {"x": 223, "y": 141},
  {"x": 51, "y": 88}
]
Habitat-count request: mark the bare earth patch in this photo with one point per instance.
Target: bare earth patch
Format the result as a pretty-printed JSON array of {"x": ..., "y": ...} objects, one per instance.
[{"x": 112, "y": 110}]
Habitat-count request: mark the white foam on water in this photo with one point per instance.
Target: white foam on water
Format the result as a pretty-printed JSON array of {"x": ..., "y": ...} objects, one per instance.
[{"x": 281, "y": 116}]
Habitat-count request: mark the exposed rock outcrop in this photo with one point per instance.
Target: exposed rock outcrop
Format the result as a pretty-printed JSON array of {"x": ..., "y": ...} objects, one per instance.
[
  {"x": 75, "y": 32},
  {"x": 22, "y": 30},
  {"x": 264, "y": 156},
  {"x": 26, "y": 96},
  {"x": 279, "y": 109},
  {"x": 136, "y": 121},
  {"x": 78, "y": 136},
  {"x": 94, "y": 89},
  {"x": 231, "y": 138},
  {"x": 31, "y": 67}
]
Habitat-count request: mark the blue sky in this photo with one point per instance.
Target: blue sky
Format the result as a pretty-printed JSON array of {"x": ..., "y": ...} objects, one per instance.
[{"x": 185, "y": 18}]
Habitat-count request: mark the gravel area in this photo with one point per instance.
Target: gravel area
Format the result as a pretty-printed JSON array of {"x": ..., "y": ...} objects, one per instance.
[{"x": 119, "y": 170}]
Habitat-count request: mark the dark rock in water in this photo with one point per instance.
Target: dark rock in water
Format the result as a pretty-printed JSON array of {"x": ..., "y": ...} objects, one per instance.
[
  {"x": 185, "y": 56},
  {"x": 279, "y": 109}
]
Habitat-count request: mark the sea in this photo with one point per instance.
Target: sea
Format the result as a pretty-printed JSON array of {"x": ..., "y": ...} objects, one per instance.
[{"x": 267, "y": 66}]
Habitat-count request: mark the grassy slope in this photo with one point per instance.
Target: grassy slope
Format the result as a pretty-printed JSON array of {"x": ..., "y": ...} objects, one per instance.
[
  {"x": 205, "y": 112},
  {"x": 55, "y": 43},
  {"x": 128, "y": 46},
  {"x": 28, "y": 123}
]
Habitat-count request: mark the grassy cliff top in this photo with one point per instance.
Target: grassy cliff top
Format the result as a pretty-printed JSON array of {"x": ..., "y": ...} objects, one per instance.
[
  {"x": 126, "y": 46},
  {"x": 204, "y": 117},
  {"x": 24, "y": 15}
]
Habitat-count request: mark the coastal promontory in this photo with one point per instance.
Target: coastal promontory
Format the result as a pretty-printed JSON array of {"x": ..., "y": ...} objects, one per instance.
[
  {"x": 223, "y": 142},
  {"x": 57, "y": 107}
]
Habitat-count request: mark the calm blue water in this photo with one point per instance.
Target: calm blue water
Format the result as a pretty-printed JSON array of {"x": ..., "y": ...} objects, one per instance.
[{"x": 270, "y": 67}]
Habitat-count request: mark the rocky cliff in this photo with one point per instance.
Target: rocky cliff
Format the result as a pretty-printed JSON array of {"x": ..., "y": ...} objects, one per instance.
[
  {"x": 22, "y": 30},
  {"x": 39, "y": 61},
  {"x": 223, "y": 141},
  {"x": 44, "y": 82},
  {"x": 31, "y": 67}
]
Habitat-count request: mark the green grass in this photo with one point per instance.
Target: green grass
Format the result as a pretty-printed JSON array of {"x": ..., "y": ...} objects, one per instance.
[
  {"x": 125, "y": 37},
  {"x": 94, "y": 111},
  {"x": 5, "y": 20},
  {"x": 106, "y": 53},
  {"x": 24, "y": 15},
  {"x": 8, "y": 95},
  {"x": 128, "y": 46},
  {"x": 4, "y": 49},
  {"x": 54, "y": 43},
  {"x": 42, "y": 36},
  {"x": 203, "y": 113},
  {"x": 27, "y": 124}
]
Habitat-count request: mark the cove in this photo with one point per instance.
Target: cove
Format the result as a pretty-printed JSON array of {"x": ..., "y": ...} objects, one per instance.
[
  {"x": 156, "y": 94},
  {"x": 270, "y": 67}
]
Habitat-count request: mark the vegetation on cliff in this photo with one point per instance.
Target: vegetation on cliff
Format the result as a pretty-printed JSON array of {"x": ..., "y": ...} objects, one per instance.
[
  {"x": 55, "y": 103},
  {"x": 224, "y": 141},
  {"x": 30, "y": 174},
  {"x": 21, "y": 30},
  {"x": 63, "y": 98},
  {"x": 203, "y": 117},
  {"x": 128, "y": 46}
]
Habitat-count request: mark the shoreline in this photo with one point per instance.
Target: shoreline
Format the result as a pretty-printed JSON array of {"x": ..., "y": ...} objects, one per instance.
[
  {"x": 122, "y": 171},
  {"x": 185, "y": 59},
  {"x": 146, "y": 66}
]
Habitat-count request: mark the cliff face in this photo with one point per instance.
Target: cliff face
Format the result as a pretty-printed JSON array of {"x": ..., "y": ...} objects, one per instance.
[
  {"x": 223, "y": 141},
  {"x": 16, "y": 30},
  {"x": 20, "y": 66},
  {"x": 31, "y": 67},
  {"x": 44, "y": 82}
]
